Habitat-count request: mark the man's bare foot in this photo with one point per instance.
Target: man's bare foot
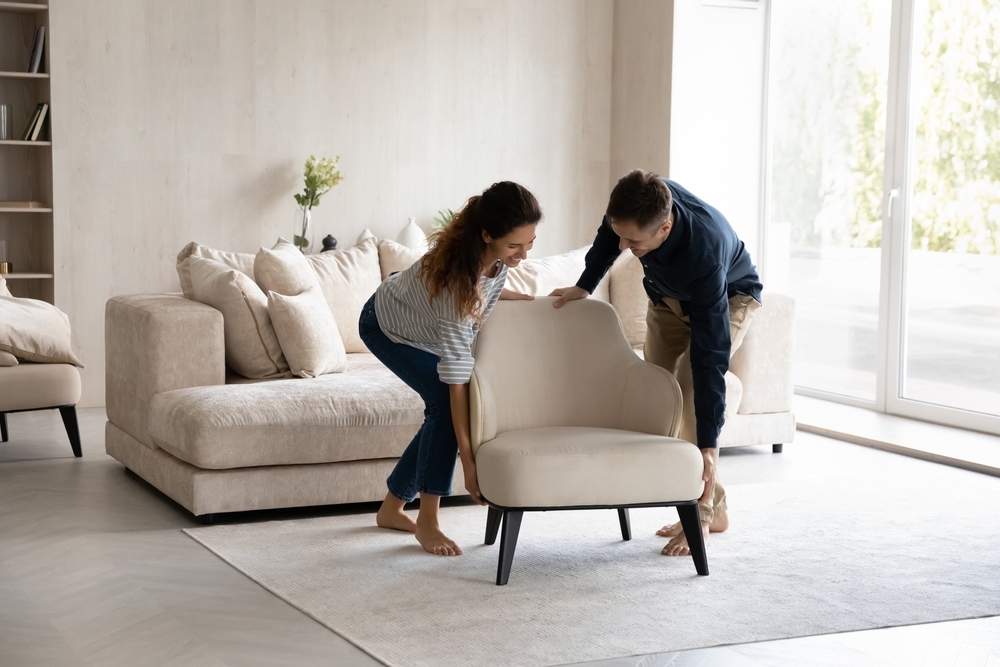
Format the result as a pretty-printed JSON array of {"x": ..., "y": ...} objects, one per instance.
[
  {"x": 719, "y": 525},
  {"x": 435, "y": 542},
  {"x": 395, "y": 518},
  {"x": 678, "y": 546}
]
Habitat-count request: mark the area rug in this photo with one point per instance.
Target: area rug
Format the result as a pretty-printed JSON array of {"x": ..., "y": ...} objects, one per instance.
[{"x": 808, "y": 557}]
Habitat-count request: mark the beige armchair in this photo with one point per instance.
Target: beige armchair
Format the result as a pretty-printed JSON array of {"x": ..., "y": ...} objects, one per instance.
[
  {"x": 565, "y": 416},
  {"x": 29, "y": 386}
]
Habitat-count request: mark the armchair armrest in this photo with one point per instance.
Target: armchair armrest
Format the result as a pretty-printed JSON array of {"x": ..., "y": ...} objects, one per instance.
[
  {"x": 156, "y": 343},
  {"x": 482, "y": 411},
  {"x": 651, "y": 401}
]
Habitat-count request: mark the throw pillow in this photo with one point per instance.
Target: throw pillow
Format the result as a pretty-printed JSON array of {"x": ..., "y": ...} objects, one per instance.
[
  {"x": 629, "y": 298},
  {"x": 283, "y": 269},
  {"x": 394, "y": 257},
  {"x": 348, "y": 279},
  {"x": 3, "y": 287},
  {"x": 35, "y": 331},
  {"x": 540, "y": 276},
  {"x": 241, "y": 261},
  {"x": 7, "y": 359},
  {"x": 252, "y": 347},
  {"x": 307, "y": 332}
]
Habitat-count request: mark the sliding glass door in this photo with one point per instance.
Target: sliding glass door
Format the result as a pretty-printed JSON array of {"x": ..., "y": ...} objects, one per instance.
[{"x": 883, "y": 202}]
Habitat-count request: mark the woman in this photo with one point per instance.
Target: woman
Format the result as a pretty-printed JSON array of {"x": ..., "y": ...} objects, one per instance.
[{"x": 421, "y": 324}]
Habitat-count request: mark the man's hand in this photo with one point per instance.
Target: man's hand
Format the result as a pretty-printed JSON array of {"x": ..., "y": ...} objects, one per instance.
[
  {"x": 511, "y": 295},
  {"x": 472, "y": 481},
  {"x": 711, "y": 457},
  {"x": 568, "y": 294}
]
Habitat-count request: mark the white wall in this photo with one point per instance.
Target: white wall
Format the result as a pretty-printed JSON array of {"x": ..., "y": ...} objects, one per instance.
[
  {"x": 190, "y": 120},
  {"x": 716, "y": 106}
]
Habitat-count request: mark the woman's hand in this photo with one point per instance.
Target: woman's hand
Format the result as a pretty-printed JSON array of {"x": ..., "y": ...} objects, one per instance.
[
  {"x": 472, "y": 481},
  {"x": 511, "y": 295}
]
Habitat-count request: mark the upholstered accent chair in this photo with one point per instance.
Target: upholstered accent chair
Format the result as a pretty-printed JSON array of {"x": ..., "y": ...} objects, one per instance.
[
  {"x": 29, "y": 386},
  {"x": 564, "y": 415}
]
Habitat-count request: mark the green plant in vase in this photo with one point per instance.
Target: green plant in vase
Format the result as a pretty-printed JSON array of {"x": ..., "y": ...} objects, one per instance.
[
  {"x": 442, "y": 219},
  {"x": 320, "y": 177}
]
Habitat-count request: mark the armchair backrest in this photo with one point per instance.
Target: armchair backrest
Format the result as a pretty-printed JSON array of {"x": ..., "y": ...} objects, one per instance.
[{"x": 538, "y": 366}]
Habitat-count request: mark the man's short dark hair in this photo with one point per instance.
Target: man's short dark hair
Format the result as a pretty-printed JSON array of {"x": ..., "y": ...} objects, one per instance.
[{"x": 641, "y": 196}]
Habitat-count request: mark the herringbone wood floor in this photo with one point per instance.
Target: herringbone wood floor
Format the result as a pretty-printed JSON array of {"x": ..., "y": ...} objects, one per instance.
[{"x": 95, "y": 571}]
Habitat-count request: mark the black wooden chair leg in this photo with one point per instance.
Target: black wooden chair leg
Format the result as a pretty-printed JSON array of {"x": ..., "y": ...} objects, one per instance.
[
  {"x": 68, "y": 413},
  {"x": 493, "y": 518},
  {"x": 777, "y": 448},
  {"x": 623, "y": 519},
  {"x": 508, "y": 540},
  {"x": 207, "y": 519},
  {"x": 691, "y": 522},
  {"x": 3, "y": 427}
]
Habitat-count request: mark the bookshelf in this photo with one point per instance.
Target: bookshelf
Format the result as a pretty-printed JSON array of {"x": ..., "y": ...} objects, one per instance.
[{"x": 25, "y": 166}]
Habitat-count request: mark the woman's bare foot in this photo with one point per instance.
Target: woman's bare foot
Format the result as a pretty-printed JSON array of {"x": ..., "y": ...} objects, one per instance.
[
  {"x": 395, "y": 518},
  {"x": 434, "y": 541},
  {"x": 678, "y": 546},
  {"x": 719, "y": 525}
]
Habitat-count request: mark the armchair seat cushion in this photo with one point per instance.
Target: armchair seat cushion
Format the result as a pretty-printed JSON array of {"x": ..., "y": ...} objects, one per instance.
[
  {"x": 29, "y": 386},
  {"x": 585, "y": 467},
  {"x": 363, "y": 413}
]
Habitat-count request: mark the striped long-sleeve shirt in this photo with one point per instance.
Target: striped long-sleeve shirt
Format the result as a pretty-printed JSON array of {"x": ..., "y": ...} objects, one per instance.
[{"x": 407, "y": 315}]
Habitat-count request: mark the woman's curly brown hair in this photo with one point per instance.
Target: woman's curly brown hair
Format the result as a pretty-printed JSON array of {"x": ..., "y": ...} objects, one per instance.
[{"x": 454, "y": 262}]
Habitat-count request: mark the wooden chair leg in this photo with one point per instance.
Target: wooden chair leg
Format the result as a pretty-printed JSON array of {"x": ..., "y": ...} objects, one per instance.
[
  {"x": 691, "y": 522},
  {"x": 508, "y": 540},
  {"x": 623, "y": 519},
  {"x": 206, "y": 519},
  {"x": 777, "y": 448},
  {"x": 68, "y": 413},
  {"x": 3, "y": 427},
  {"x": 493, "y": 518}
]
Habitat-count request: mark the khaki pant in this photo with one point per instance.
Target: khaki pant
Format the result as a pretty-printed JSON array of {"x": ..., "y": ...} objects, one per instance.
[{"x": 668, "y": 337}]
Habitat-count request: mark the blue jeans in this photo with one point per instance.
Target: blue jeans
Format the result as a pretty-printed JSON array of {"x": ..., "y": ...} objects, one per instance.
[{"x": 428, "y": 464}]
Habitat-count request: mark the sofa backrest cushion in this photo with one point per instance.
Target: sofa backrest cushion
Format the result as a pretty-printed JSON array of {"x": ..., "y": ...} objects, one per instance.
[
  {"x": 394, "y": 257},
  {"x": 307, "y": 332},
  {"x": 241, "y": 261},
  {"x": 283, "y": 269},
  {"x": 252, "y": 347},
  {"x": 348, "y": 278}
]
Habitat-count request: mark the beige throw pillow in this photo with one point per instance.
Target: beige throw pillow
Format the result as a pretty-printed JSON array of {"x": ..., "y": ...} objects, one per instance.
[
  {"x": 307, "y": 332},
  {"x": 252, "y": 347},
  {"x": 241, "y": 261},
  {"x": 35, "y": 331},
  {"x": 348, "y": 278},
  {"x": 394, "y": 257},
  {"x": 3, "y": 287},
  {"x": 629, "y": 298},
  {"x": 283, "y": 269},
  {"x": 7, "y": 359},
  {"x": 540, "y": 276}
]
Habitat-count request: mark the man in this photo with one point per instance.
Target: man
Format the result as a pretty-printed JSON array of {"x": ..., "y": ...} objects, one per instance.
[{"x": 703, "y": 292}]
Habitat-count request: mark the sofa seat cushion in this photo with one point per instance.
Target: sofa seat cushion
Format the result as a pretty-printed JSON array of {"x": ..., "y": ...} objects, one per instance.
[
  {"x": 28, "y": 386},
  {"x": 363, "y": 413},
  {"x": 579, "y": 466}
]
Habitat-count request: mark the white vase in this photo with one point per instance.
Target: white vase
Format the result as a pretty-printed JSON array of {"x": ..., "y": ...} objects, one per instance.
[
  {"x": 412, "y": 236},
  {"x": 367, "y": 234}
]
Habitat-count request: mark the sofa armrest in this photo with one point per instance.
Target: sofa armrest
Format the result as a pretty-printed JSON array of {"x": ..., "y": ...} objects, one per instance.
[
  {"x": 764, "y": 361},
  {"x": 651, "y": 401},
  {"x": 157, "y": 343}
]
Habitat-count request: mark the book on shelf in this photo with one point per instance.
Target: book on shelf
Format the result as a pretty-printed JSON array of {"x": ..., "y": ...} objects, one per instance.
[
  {"x": 39, "y": 122},
  {"x": 26, "y": 135},
  {"x": 23, "y": 204},
  {"x": 37, "y": 47}
]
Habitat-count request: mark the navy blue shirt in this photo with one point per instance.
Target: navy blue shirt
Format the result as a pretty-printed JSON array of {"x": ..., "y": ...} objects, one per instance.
[{"x": 701, "y": 264}]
